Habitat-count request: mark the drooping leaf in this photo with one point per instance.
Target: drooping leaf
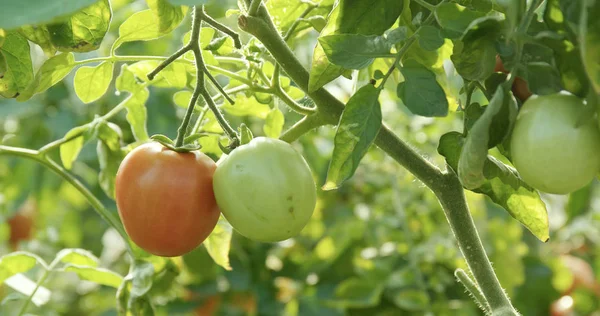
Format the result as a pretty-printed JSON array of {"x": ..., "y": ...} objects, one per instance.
[
  {"x": 358, "y": 127},
  {"x": 421, "y": 93},
  {"x": 84, "y": 30},
  {"x": 490, "y": 129},
  {"x": 504, "y": 186},
  {"x": 218, "y": 243},
  {"x": 91, "y": 83}
]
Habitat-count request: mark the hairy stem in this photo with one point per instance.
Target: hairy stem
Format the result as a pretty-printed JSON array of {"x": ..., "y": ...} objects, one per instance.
[{"x": 472, "y": 288}]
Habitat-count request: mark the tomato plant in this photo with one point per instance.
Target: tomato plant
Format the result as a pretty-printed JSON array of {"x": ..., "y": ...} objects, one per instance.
[
  {"x": 165, "y": 199},
  {"x": 549, "y": 149},
  {"x": 428, "y": 135},
  {"x": 265, "y": 189}
]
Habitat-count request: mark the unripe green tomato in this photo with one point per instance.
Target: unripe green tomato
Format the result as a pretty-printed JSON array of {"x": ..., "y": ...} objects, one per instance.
[
  {"x": 549, "y": 150},
  {"x": 265, "y": 190}
]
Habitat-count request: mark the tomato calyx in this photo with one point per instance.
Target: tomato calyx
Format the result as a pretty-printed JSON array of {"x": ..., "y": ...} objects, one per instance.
[{"x": 187, "y": 147}]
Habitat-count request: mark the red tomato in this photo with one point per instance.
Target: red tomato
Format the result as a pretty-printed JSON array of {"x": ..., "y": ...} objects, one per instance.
[
  {"x": 21, "y": 224},
  {"x": 166, "y": 199},
  {"x": 520, "y": 88},
  {"x": 499, "y": 65},
  {"x": 209, "y": 307}
]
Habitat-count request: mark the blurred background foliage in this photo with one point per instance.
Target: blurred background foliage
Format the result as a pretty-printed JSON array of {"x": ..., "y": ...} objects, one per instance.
[{"x": 380, "y": 245}]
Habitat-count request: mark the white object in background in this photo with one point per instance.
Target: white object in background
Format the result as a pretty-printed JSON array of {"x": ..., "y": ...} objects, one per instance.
[{"x": 24, "y": 285}]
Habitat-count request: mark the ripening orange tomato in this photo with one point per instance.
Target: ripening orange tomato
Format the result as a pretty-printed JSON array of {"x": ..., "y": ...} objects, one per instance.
[
  {"x": 165, "y": 199},
  {"x": 520, "y": 88}
]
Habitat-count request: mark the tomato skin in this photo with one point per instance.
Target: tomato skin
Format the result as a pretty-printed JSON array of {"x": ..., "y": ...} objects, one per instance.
[
  {"x": 520, "y": 88},
  {"x": 549, "y": 151},
  {"x": 265, "y": 189},
  {"x": 165, "y": 199}
]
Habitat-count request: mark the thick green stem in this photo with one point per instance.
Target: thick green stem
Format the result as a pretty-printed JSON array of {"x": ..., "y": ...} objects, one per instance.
[
  {"x": 454, "y": 203},
  {"x": 446, "y": 186},
  {"x": 301, "y": 127}
]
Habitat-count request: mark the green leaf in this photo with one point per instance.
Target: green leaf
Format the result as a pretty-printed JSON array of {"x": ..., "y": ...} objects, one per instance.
[
  {"x": 79, "y": 257},
  {"x": 52, "y": 72},
  {"x": 421, "y": 93},
  {"x": 218, "y": 243},
  {"x": 351, "y": 17},
  {"x": 358, "y": 127},
  {"x": 149, "y": 24},
  {"x": 412, "y": 300},
  {"x": 489, "y": 130},
  {"x": 172, "y": 76},
  {"x": 141, "y": 278},
  {"x": 542, "y": 78},
  {"x": 246, "y": 106},
  {"x": 37, "y": 11},
  {"x": 135, "y": 103},
  {"x": 16, "y": 70},
  {"x": 579, "y": 202},
  {"x": 110, "y": 155},
  {"x": 41, "y": 36},
  {"x": 84, "y": 30},
  {"x": 455, "y": 19},
  {"x": 589, "y": 40},
  {"x": 567, "y": 55},
  {"x": 354, "y": 51},
  {"x": 94, "y": 274},
  {"x": 504, "y": 186},
  {"x": 430, "y": 38},
  {"x": 245, "y": 134},
  {"x": 357, "y": 293},
  {"x": 91, "y": 83},
  {"x": 70, "y": 150},
  {"x": 137, "y": 114},
  {"x": 17, "y": 262},
  {"x": 274, "y": 123},
  {"x": 475, "y": 58}
]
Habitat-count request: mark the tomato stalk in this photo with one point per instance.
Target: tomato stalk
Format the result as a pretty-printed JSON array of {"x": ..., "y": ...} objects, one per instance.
[
  {"x": 445, "y": 185},
  {"x": 201, "y": 69}
]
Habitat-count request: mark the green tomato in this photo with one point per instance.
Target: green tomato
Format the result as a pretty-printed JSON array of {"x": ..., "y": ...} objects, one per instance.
[
  {"x": 549, "y": 150},
  {"x": 265, "y": 190}
]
